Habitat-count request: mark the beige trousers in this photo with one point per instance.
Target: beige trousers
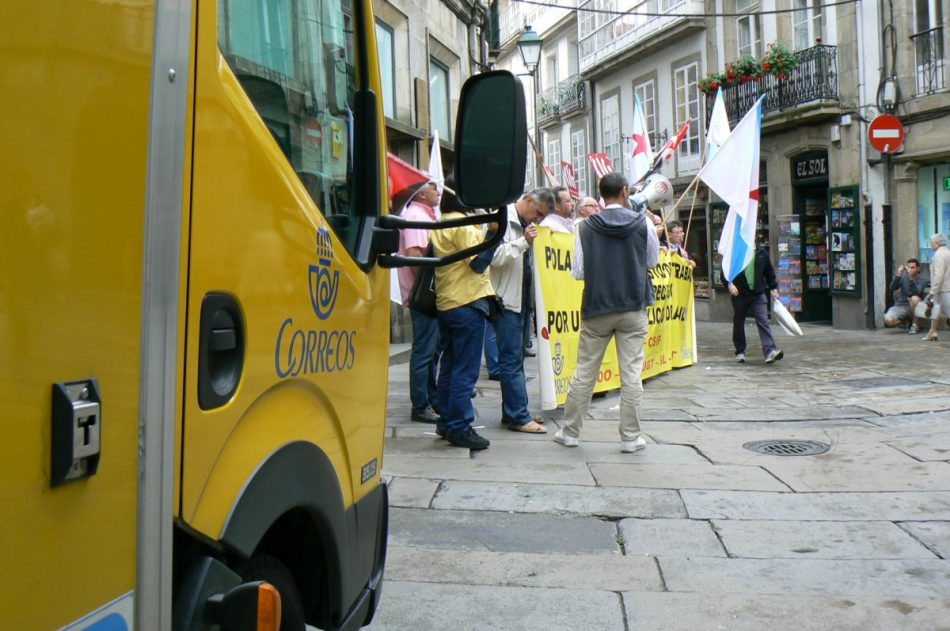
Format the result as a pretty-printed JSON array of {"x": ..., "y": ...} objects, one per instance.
[{"x": 629, "y": 329}]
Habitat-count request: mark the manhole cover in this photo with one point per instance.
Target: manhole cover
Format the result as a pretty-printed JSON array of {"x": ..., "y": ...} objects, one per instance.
[{"x": 787, "y": 447}]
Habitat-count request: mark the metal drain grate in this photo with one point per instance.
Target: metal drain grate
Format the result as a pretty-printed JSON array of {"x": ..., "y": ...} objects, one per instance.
[{"x": 787, "y": 447}]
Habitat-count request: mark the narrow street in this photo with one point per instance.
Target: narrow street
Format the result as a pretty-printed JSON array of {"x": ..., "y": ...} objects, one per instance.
[{"x": 695, "y": 531}]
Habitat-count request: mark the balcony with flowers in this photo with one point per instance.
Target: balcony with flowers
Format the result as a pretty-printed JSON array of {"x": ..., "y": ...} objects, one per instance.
[
  {"x": 790, "y": 80},
  {"x": 607, "y": 29}
]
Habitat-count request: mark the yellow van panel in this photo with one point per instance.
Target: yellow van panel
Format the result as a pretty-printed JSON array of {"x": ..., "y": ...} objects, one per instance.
[
  {"x": 255, "y": 232},
  {"x": 75, "y": 79}
]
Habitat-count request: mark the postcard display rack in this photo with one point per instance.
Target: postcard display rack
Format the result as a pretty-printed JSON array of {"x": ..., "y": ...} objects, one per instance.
[
  {"x": 789, "y": 270},
  {"x": 844, "y": 228}
]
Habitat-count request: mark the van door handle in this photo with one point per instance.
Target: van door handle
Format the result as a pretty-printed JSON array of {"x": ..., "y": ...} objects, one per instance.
[{"x": 220, "y": 350}]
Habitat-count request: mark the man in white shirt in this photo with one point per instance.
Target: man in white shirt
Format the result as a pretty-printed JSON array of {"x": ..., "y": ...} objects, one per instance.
[{"x": 562, "y": 219}]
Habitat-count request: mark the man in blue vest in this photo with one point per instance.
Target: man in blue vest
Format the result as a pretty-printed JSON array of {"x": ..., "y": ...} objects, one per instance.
[{"x": 613, "y": 251}]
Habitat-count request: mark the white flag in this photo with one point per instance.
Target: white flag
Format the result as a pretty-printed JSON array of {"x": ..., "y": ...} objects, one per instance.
[
  {"x": 733, "y": 174},
  {"x": 718, "y": 127},
  {"x": 435, "y": 168}
]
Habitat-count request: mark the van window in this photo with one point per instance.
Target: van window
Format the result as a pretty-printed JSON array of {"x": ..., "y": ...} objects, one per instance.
[{"x": 295, "y": 61}]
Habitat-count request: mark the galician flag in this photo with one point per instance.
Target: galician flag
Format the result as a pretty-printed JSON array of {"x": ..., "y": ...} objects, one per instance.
[
  {"x": 642, "y": 153},
  {"x": 718, "y": 127},
  {"x": 733, "y": 174}
]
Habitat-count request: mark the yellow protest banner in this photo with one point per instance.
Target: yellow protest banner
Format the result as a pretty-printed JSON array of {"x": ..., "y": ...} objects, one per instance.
[{"x": 670, "y": 340}]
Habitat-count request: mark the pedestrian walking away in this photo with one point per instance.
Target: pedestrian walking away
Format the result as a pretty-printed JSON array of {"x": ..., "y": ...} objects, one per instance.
[
  {"x": 750, "y": 291},
  {"x": 613, "y": 251}
]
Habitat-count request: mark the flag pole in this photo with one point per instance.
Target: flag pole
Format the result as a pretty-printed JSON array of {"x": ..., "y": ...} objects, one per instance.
[
  {"x": 540, "y": 158},
  {"x": 689, "y": 222}
]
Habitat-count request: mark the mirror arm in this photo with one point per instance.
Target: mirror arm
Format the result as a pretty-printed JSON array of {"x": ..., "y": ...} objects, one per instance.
[
  {"x": 398, "y": 223},
  {"x": 500, "y": 216}
]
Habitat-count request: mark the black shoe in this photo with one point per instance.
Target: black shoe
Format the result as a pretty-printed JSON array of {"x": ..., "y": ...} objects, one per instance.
[
  {"x": 468, "y": 439},
  {"x": 474, "y": 393},
  {"x": 440, "y": 432},
  {"x": 494, "y": 377},
  {"x": 428, "y": 415}
]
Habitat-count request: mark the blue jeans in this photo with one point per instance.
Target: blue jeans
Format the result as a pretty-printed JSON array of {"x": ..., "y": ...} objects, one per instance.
[
  {"x": 463, "y": 330},
  {"x": 509, "y": 328},
  {"x": 423, "y": 361},
  {"x": 491, "y": 350}
]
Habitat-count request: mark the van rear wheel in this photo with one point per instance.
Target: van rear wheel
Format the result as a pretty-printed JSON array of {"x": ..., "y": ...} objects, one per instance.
[{"x": 267, "y": 568}]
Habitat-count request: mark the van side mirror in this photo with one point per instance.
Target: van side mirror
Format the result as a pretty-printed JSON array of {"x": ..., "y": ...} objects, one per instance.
[{"x": 491, "y": 137}]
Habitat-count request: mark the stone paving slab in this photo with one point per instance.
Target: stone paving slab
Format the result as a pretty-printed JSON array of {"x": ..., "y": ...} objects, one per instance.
[
  {"x": 588, "y": 451},
  {"x": 769, "y": 414},
  {"x": 817, "y": 506},
  {"x": 920, "y": 577},
  {"x": 412, "y": 492},
  {"x": 911, "y": 405},
  {"x": 930, "y": 447},
  {"x": 933, "y": 534},
  {"x": 827, "y": 475},
  {"x": 471, "y": 469},
  {"x": 414, "y": 605},
  {"x": 769, "y": 539},
  {"x": 664, "y": 611},
  {"x": 559, "y": 499},
  {"x": 669, "y": 537},
  {"x": 501, "y": 532},
  {"x": 423, "y": 446},
  {"x": 671, "y": 476},
  {"x": 616, "y": 573}
]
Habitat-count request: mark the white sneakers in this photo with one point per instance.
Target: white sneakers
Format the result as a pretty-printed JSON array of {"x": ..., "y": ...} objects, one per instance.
[
  {"x": 626, "y": 446},
  {"x": 564, "y": 439},
  {"x": 630, "y": 446}
]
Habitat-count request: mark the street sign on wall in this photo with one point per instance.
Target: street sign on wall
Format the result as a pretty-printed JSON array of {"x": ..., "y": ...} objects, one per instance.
[{"x": 886, "y": 133}]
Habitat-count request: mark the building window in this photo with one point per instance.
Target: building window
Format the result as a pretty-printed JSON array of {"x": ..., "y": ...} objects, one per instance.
[
  {"x": 579, "y": 159},
  {"x": 529, "y": 170},
  {"x": 387, "y": 66},
  {"x": 552, "y": 152},
  {"x": 647, "y": 93},
  {"x": 550, "y": 71},
  {"x": 928, "y": 46},
  {"x": 933, "y": 206},
  {"x": 610, "y": 124},
  {"x": 808, "y": 23},
  {"x": 749, "y": 28},
  {"x": 439, "y": 98},
  {"x": 686, "y": 105}
]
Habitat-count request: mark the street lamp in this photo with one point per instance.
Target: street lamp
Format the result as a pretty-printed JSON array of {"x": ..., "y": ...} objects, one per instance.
[{"x": 529, "y": 45}]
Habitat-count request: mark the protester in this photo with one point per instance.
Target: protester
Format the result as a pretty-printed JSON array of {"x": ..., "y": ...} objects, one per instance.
[
  {"x": 588, "y": 207},
  {"x": 613, "y": 251},
  {"x": 675, "y": 236},
  {"x": 939, "y": 282},
  {"x": 507, "y": 276},
  {"x": 425, "y": 328},
  {"x": 562, "y": 219},
  {"x": 463, "y": 297},
  {"x": 750, "y": 292},
  {"x": 528, "y": 335},
  {"x": 912, "y": 286}
]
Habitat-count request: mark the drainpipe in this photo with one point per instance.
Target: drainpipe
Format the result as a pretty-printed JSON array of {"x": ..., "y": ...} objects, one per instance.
[{"x": 869, "y": 275}]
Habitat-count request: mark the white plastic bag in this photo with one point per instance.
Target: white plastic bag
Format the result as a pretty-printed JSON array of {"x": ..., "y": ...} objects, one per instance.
[
  {"x": 785, "y": 319},
  {"x": 920, "y": 311}
]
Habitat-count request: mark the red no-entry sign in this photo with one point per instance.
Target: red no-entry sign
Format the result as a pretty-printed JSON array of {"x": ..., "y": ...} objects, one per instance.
[{"x": 886, "y": 133}]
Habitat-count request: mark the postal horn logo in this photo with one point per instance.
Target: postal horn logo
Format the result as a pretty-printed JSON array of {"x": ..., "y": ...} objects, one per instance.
[
  {"x": 324, "y": 281},
  {"x": 558, "y": 360}
]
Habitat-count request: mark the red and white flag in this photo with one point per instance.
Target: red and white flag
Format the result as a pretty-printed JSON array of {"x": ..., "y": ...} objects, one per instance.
[
  {"x": 642, "y": 156},
  {"x": 670, "y": 147},
  {"x": 601, "y": 164},
  {"x": 567, "y": 171},
  {"x": 549, "y": 173}
]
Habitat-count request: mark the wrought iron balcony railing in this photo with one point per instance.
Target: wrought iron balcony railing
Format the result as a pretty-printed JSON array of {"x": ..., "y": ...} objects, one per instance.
[
  {"x": 814, "y": 80},
  {"x": 547, "y": 106},
  {"x": 931, "y": 63},
  {"x": 567, "y": 97},
  {"x": 571, "y": 95}
]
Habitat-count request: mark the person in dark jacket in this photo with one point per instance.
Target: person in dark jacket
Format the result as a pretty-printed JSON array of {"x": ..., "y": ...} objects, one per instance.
[{"x": 754, "y": 300}]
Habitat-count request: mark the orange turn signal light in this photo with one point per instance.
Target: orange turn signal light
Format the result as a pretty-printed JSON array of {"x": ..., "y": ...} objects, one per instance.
[{"x": 268, "y": 608}]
